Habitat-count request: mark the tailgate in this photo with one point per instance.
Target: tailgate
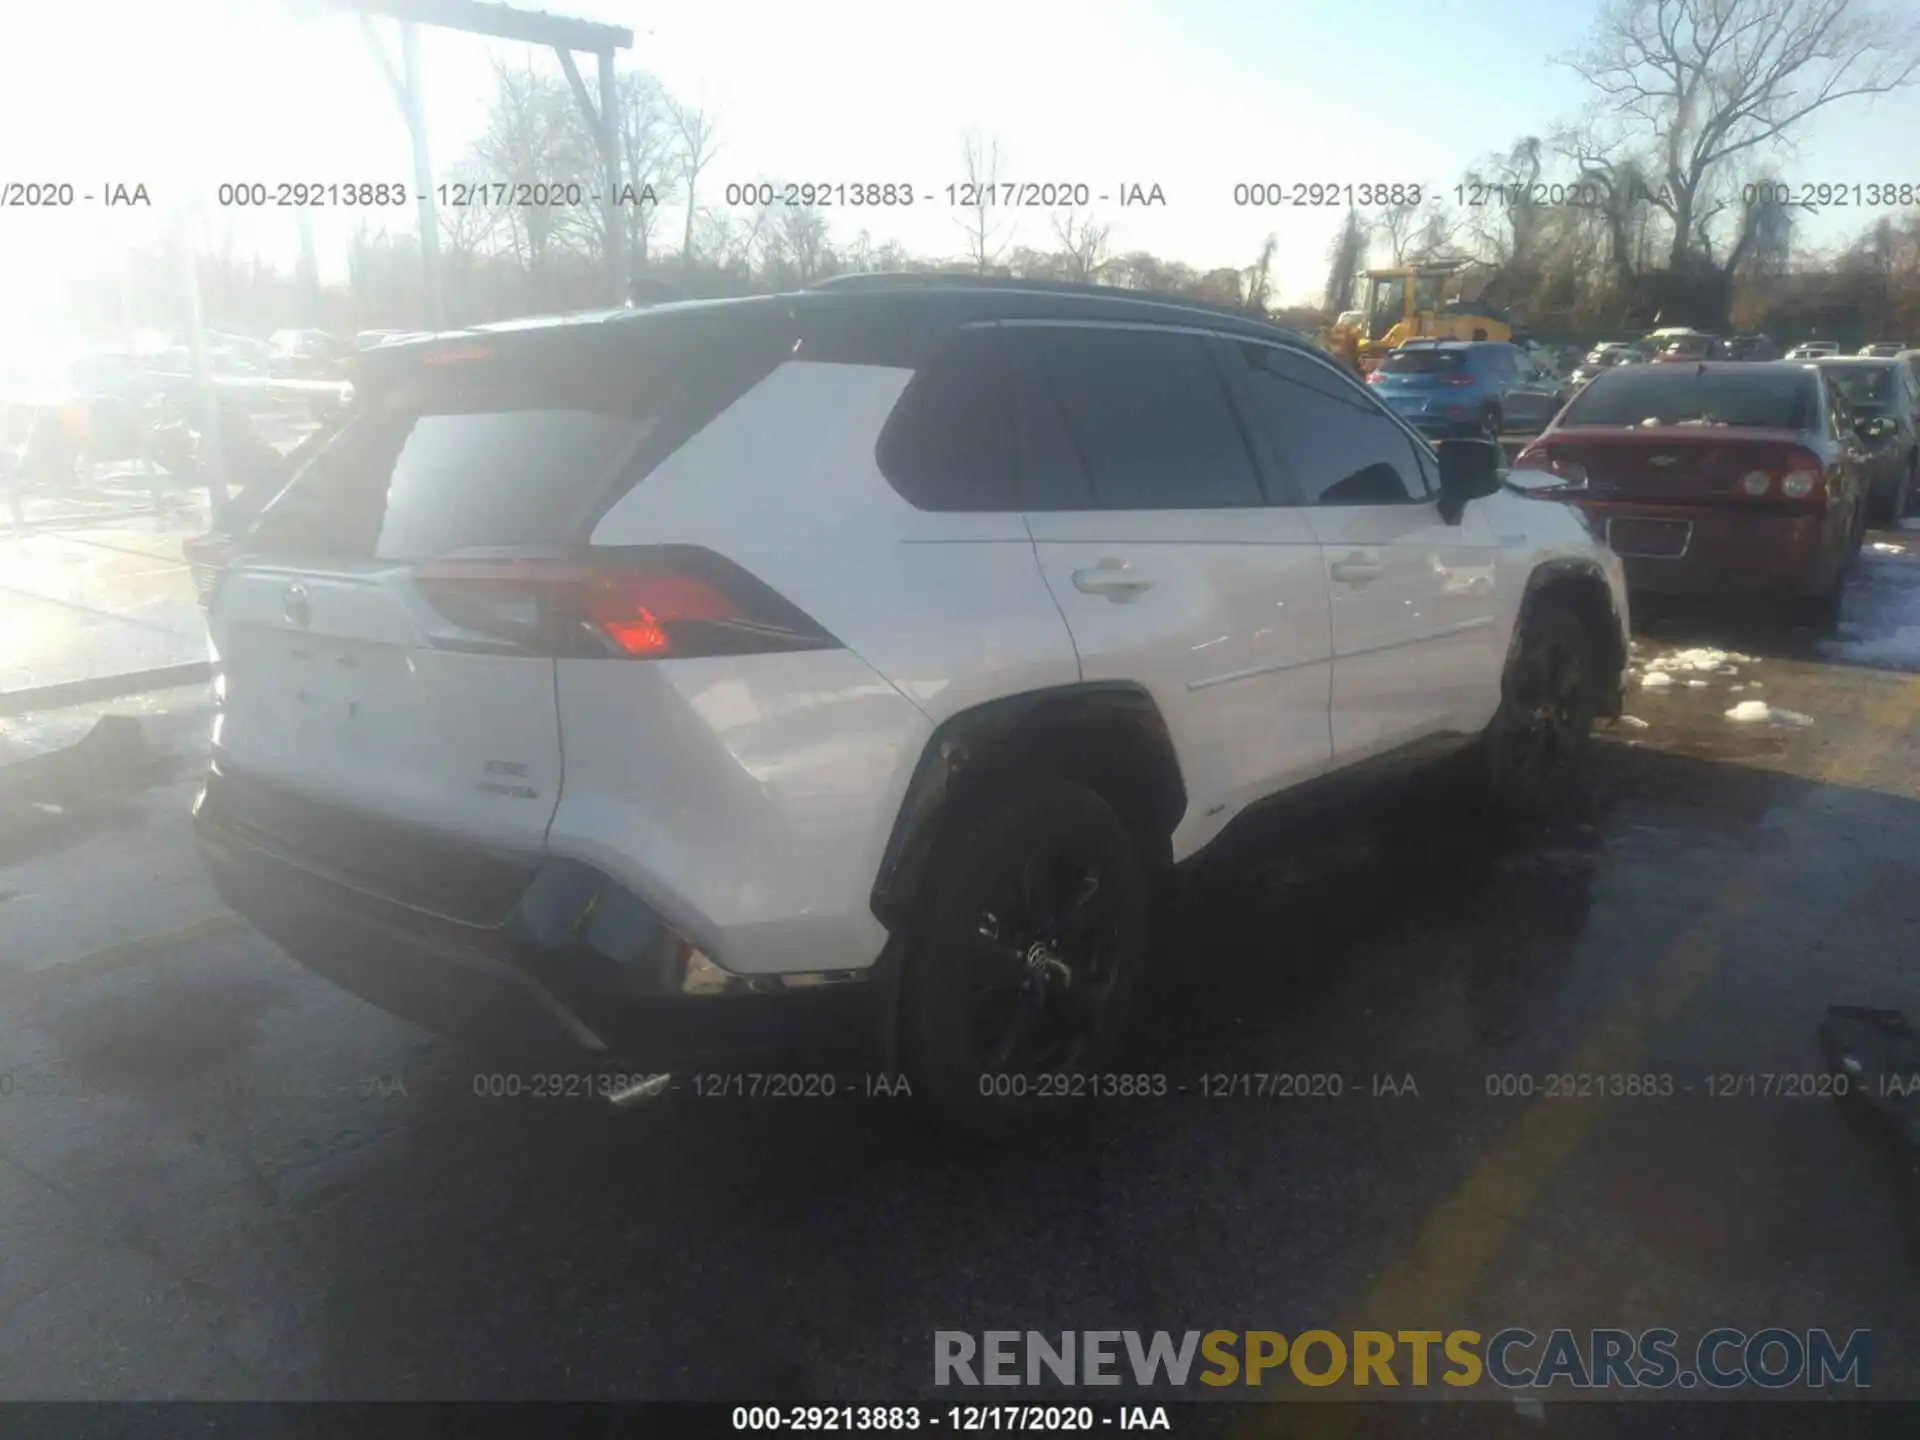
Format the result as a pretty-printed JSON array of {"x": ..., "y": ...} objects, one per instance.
[
  {"x": 335, "y": 687},
  {"x": 349, "y": 676}
]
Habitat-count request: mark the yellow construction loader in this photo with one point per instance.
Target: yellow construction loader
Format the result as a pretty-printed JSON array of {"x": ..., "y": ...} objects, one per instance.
[{"x": 1407, "y": 302}]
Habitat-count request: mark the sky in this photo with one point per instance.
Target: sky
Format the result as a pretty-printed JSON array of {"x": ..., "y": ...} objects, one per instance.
[{"x": 1191, "y": 95}]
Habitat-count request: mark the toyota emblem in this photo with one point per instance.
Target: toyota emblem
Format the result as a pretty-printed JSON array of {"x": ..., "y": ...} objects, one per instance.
[{"x": 296, "y": 606}]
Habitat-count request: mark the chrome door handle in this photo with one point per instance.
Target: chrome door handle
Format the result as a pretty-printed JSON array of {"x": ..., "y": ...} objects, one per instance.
[
  {"x": 1356, "y": 570},
  {"x": 1111, "y": 578}
]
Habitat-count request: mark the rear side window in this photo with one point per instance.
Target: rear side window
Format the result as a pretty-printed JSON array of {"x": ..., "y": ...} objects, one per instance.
[
  {"x": 521, "y": 442},
  {"x": 1148, "y": 415},
  {"x": 1339, "y": 447},
  {"x": 951, "y": 442}
]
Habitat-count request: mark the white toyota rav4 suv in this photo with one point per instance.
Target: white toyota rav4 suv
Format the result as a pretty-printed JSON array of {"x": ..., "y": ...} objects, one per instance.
[{"x": 657, "y": 683}]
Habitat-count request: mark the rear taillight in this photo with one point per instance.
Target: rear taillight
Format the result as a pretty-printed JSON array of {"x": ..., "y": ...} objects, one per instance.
[
  {"x": 669, "y": 602},
  {"x": 1374, "y": 377},
  {"x": 1801, "y": 479}
]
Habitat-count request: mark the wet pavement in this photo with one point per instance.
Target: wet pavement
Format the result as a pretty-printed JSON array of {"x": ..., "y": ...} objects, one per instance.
[
  {"x": 99, "y": 594},
  {"x": 220, "y": 1177}
]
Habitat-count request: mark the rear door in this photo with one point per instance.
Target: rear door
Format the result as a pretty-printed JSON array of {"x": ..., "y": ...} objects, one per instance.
[
  {"x": 1415, "y": 647},
  {"x": 343, "y": 679},
  {"x": 1532, "y": 396},
  {"x": 1167, "y": 557}
]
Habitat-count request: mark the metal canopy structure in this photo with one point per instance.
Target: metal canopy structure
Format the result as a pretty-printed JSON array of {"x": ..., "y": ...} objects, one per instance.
[{"x": 476, "y": 17}]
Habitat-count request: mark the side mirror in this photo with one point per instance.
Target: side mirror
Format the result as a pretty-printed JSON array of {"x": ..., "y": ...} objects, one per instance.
[{"x": 1469, "y": 470}]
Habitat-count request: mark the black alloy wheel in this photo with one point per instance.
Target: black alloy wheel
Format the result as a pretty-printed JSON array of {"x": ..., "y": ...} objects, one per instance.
[{"x": 1030, "y": 953}]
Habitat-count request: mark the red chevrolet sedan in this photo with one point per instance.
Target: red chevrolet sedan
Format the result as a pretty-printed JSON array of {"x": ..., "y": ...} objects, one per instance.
[{"x": 1713, "y": 479}]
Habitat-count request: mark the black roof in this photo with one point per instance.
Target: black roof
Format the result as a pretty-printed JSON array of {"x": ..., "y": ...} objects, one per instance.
[{"x": 879, "y": 315}]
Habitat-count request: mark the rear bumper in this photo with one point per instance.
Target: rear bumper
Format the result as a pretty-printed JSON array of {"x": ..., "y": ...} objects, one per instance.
[
  {"x": 574, "y": 965},
  {"x": 1731, "y": 552}
]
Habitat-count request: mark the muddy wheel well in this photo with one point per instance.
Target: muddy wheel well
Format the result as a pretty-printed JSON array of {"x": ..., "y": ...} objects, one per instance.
[{"x": 1584, "y": 594}]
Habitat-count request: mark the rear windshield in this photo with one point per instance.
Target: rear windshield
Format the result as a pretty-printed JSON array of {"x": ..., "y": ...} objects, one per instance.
[
  {"x": 1861, "y": 386},
  {"x": 1657, "y": 395},
  {"x": 525, "y": 447},
  {"x": 1424, "y": 362}
]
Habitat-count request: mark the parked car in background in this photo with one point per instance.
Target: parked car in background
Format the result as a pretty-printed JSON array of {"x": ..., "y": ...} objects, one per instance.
[
  {"x": 1683, "y": 349},
  {"x": 1882, "y": 350},
  {"x": 1714, "y": 479},
  {"x": 1752, "y": 347},
  {"x": 307, "y": 355},
  {"x": 1466, "y": 387},
  {"x": 1602, "y": 358},
  {"x": 1911, "y": 359},
  {"x": 1813, "y": 350},
  {"x": 1883, "y": 399}
]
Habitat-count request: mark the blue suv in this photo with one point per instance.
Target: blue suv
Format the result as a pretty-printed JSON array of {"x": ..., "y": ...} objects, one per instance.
[{"x": 1467, "y": 387}]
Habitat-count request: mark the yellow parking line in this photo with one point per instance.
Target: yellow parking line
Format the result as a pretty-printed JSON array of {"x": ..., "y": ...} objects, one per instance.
[
  {"x": 1428, "y": 1283},
  {"x": 30, "y": 984}
]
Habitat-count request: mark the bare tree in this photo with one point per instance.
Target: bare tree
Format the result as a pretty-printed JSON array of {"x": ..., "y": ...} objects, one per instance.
[
  {"x": 1259, "y": 277},
  {"x": 1433, "y": 238},
  {"x": 986, "y": 237},
  {"x": 535, "y": 136},
  {"x": 1083, "y": 246},
  {"x": 1502, "y": 217},
  {"x": 801, "y": 247},
  {"x": 1397, "y": 226},
  {"x": 648, "y": 136},
  {"x": 1344, "y": 259},
  {"x": 696, "y": 134},
  {"x": 1696, "y": 84}
]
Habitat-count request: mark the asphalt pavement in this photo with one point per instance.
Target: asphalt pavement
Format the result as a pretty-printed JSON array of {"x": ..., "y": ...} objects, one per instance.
[{"x": 222, "y": 1178}]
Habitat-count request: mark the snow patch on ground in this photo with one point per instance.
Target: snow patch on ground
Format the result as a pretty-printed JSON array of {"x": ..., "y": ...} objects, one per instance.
[
  {"x": 1702, "y": 659},
  {"x": 1881, "y": 547},
  {"x": 1655, "y": 680},
  {"x": 1749, "y": 712},
  {"x": 1633, "y": 722}
]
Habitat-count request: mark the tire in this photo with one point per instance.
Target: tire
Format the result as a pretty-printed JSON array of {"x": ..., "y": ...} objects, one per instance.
[
  {"x": 1903, "y": 497},
  {"x": 1820, "y": 613},
  {"x": 1537, "y": 746},
  {"x": 1028, "y": 957}
]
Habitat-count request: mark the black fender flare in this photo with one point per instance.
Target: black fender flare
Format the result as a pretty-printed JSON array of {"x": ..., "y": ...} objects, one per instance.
[{"x": 1034, "y": 727}]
